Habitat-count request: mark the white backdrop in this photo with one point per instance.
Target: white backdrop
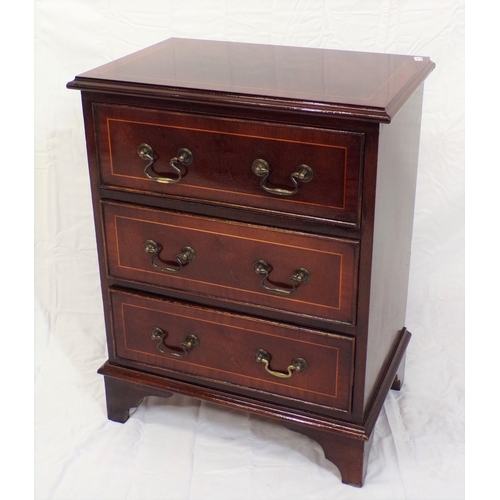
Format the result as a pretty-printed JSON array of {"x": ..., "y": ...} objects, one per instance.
[{"x": 181, "y": 449}]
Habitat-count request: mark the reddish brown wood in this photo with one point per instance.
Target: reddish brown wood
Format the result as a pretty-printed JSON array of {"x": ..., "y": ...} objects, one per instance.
[
  {"x": 348, "y": 453},
  {"x": 226, "y": 350},
  {"x": 346, "y": 445},
  {"x": 392, "y": 228},
  {"x": 399, "y": 379},
  {"x": 151, "y": 382},
  {"x": 223, "y": 153},
  {"x": 122, "y": 396},
  {"x": 368, "y": 85},
  {"x": 231, "y": 103},
  {"x": 225, "y": 257},
  {"x": 386, "y": 379}
]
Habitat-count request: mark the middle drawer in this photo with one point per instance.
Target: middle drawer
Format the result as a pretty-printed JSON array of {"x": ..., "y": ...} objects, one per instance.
[{"x": 270, "y": 268}]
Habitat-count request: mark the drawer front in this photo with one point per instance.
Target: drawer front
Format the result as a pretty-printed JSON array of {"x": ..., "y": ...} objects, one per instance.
[
  {"x": 224, "y": 152},
  {"x": 229, "y": 261},
  {"x": 222, "y": 347}
]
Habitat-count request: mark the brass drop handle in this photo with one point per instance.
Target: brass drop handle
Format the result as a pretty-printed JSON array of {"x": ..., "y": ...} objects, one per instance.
[
  {"x": 186, "y": 255},
  {"x": 185, "y": 348},
  {"x": 184, "y": 157},
  {"x": 297, "y": 365},
  {"x": 299, "y": 276},
  {"x": 303, "y": 173}
]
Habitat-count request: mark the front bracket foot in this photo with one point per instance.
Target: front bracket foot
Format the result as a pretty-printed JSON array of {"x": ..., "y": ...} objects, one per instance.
[{"x": 122, "y": 395}]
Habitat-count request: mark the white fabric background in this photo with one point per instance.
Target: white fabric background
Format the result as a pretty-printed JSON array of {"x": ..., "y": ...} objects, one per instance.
[{"x": 180, "y": 449}]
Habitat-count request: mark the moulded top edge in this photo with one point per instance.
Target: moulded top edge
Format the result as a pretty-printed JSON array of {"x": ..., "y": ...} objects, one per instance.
[{"x": 371, "y": 85}]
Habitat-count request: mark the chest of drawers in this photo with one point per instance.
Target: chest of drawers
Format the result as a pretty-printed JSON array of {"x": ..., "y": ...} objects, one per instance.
[{"x": 253, "y": 208}]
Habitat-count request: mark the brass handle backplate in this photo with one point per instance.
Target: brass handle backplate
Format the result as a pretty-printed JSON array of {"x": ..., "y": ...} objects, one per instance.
[
  {"x": 263, "y": 269},
  {"x": 303, "y": 173},
  {"x": 297, "y": 365},
  {"x": 188, "y": 345},
  {"x": 184, "y": 158},
  {"x": 186, "y": 255}
]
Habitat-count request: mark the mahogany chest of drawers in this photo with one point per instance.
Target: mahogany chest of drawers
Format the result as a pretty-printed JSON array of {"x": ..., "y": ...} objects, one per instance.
[{"x": 253, "y": 208}]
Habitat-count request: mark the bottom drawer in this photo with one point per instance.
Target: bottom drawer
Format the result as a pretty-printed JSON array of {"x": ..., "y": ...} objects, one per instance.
[{"x": 276, "y": 360}]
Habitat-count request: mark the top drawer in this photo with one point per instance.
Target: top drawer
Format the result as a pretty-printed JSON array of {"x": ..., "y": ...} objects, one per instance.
[{"x": 223, "y": 167}]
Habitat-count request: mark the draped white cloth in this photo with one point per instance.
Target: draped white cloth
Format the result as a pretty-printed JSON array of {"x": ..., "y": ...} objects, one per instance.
[{"x": 182, "y": 449}]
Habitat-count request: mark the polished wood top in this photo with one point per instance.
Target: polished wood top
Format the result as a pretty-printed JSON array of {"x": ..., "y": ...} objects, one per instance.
[{"x": 372, "y": 85}]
